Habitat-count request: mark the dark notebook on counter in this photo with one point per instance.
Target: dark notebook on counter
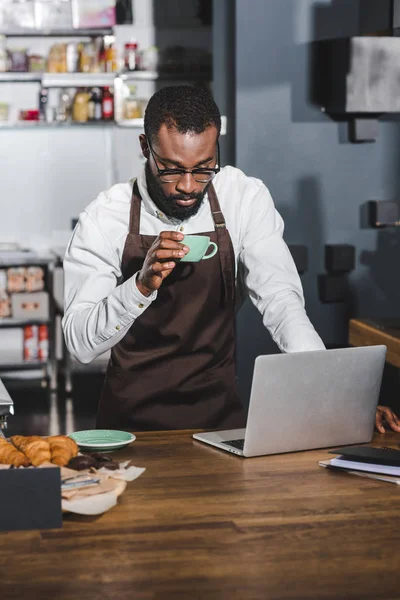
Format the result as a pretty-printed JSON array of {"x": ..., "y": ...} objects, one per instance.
[
  {"x": 376, "y": 463},
  {"x": 368, "y": 454}
]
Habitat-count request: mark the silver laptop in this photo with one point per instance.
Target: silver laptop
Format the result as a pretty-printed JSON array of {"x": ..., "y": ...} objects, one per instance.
[{"x": 308, "y": 400}]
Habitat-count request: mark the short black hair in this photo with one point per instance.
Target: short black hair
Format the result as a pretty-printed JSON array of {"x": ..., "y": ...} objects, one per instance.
[{"x": 183, "y": 107}]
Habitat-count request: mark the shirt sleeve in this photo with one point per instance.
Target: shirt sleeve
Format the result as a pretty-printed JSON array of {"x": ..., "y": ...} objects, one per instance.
[
  {"x": 270, "y": 275},
  {"x": 98, "y": 311}
]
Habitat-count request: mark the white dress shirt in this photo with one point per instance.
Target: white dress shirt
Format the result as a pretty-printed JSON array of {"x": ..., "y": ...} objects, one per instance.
[{"x": 99, "y": 311}]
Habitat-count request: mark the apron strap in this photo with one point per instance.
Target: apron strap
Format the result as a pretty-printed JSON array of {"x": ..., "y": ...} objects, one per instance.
[
  {"x": 227, "y": 258},
  {"x": 216, "y": 211},
  {"x": 136, "y": 202}
]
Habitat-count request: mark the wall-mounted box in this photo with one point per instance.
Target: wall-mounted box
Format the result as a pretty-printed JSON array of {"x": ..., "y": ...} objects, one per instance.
[
  {"x": 384, "y": 213},
  {"x": 358, "y": 75},
  {"x": 340, "y": 258},
  {"x": 333, "y": 288}
]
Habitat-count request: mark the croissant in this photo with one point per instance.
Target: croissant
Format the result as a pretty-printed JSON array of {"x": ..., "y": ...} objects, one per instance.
[
  {"x": 62, "y": 449},
  {"x": 11, "y": 456},
  {"x": 21, "y": 441},
  {"x": 35, "y": 448}
]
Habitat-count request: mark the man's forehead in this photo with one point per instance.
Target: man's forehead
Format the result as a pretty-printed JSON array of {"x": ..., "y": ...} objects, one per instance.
[{"x": 169, "y": 138}]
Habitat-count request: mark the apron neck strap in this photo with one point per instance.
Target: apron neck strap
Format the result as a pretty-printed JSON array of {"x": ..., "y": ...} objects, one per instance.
[
  {"x": 217, "y": 215},
  {"x": 136, "y": 202}
]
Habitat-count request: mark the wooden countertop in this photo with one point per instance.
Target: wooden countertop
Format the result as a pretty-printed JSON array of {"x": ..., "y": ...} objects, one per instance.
[
  {"x": 372, "y": 332},
  {"x": 201, "y": 523}
]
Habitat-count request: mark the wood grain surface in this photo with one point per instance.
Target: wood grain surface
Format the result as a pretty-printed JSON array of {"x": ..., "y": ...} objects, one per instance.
[
  {"x": 367, "y": 332},
  {"x": 201, "y": 523}
]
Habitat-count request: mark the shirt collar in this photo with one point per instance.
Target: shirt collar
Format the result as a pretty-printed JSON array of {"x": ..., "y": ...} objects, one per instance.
[{"x": 152, "y": 209}]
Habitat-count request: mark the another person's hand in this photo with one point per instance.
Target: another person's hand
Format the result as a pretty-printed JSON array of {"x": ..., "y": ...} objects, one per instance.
[
  {"x": 384, "y": 413},
  {"x": 158, "y": 264}
]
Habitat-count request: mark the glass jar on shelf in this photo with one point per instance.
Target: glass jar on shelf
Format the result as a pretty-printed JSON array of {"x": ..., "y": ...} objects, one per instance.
[
  {"x": 80, "y": 107},
  {"x": 64, "y": 106},
  {"x": 132, "y": 105}
]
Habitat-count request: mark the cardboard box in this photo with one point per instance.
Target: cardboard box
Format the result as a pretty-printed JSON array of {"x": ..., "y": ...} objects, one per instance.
[{"x": 30, "y": 306}]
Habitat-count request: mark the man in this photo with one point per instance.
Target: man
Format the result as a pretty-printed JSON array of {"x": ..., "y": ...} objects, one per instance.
[{"x": 170, "y": 325}]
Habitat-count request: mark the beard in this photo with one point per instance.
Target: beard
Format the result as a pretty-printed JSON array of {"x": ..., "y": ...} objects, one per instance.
[{"x": 167, "y": 203}]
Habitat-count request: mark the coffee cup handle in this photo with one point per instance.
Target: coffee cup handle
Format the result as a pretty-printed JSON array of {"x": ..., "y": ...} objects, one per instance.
[{"x": 213, "y": 253}]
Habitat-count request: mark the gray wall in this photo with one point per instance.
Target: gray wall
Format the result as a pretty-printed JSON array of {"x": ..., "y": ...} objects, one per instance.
[{"x": 319, "y": 181}]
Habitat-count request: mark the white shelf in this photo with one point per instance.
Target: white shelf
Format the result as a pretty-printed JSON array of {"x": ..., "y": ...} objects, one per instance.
[
  {"x": 12, "y": 322},
  {"x": 124, "y": 124},
  {"x": 96, "y": 79},
  {"x": 20, "y": 77},
  {"x": 78, "y": 79},
  {"x": 22, "y": 125},
  {"x": 155, "y": 75},
  {"x": 57, "y": 33},
  {"x": 135, "y": 123}
]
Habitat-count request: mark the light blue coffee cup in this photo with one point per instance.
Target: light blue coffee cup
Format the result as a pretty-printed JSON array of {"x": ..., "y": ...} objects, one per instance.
[{"x": 199, "y": 246}]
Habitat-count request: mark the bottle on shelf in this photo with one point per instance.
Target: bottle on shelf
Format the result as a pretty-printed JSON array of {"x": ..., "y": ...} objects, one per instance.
[
  {"x": 131, "y": 56},
  {"x": 43, "y": 102},
  {"x": 31, "y": 342},
  {"x": 107, "y": 105},
  {"x": 110, "y": 55},
  {"x": 95, "y": 105},
  {"x": 43, "y": 343},
  {"x": 3, "y": 54},
  {"x": 72, "y": 57}
]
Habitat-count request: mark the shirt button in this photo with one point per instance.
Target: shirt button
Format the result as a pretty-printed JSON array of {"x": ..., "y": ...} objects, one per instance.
[
  {"x": 141, "y": 305},
  {"x": 118, "y": 327},
  {"x": 181, "y": 228}
]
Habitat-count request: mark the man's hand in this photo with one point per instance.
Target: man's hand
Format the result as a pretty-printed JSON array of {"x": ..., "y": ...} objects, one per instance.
[
  {"x": 383, "y": 413},
  {"x": 158, "y": 264}
]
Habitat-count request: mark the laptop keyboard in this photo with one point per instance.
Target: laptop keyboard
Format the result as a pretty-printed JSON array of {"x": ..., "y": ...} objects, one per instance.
[{"x": 239, "y": 444}]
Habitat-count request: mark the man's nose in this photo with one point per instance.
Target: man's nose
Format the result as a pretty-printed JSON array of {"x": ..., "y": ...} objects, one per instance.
[{"x": 186, "y": 184}]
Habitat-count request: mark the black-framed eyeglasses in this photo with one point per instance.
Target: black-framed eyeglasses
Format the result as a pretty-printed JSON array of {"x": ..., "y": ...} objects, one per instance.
[{"x": 200, "y": 175}]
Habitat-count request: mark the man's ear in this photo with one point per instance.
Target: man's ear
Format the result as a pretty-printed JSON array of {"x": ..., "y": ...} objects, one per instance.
[{"x": 144, "y": 145}]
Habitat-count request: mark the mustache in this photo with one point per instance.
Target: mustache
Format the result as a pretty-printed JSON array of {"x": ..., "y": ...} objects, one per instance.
[{"x": 192, "y": 196}]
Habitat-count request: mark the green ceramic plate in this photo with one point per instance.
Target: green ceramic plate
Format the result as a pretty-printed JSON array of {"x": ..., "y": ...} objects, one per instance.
[{"x": 102, "y": 439}]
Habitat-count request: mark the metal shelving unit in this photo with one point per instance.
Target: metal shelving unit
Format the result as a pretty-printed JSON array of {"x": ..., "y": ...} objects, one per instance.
[
  {"x": 115, "y": 80},
  {"x": 23, "y": 366},
  {"x": 48, "y": 367}
]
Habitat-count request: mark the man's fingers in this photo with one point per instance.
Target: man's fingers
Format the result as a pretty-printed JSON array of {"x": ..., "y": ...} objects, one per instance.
[
  {"x": 173, "y": 245},
  {"x": 160, "y": 267},
  {"x": 390, "y": 419},
  {"x": 162, "y": 255},
  {"x": 378, "y": 421},
  {"x": 171, "y": 235}
]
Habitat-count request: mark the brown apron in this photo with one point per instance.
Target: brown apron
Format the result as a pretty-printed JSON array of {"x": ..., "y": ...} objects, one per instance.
[{"x": 175, "y": 367}]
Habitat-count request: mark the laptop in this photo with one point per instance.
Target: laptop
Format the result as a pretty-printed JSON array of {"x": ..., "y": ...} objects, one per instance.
[{"x": 308, "y": 400}]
